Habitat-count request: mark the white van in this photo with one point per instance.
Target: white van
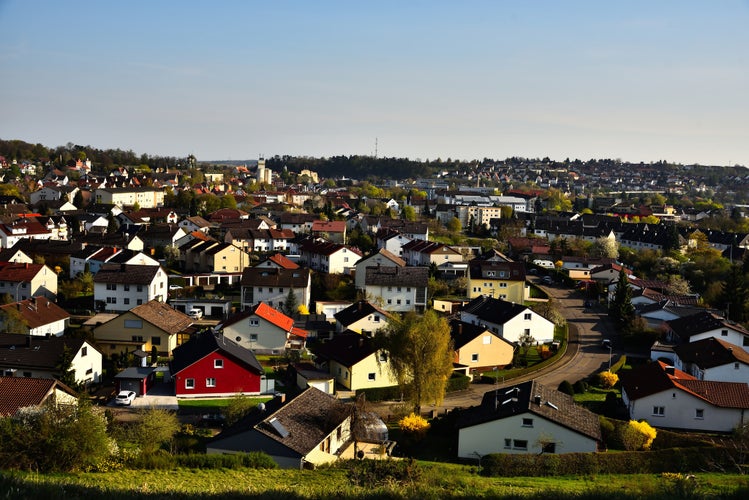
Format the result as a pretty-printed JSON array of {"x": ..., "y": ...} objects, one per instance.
[{"x": 195, "y": 313}]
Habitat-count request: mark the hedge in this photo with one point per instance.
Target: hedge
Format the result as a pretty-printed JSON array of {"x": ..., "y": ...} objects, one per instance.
[
  {"x": 165, "y": 461},
  {"x": 456, "y": 382},
  {"x": 618, "y": 365},
  {"x": 629, "y": 462}
]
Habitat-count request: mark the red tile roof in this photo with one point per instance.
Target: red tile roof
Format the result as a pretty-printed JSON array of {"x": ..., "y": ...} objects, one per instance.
[
  {"x": 37, "y": 311},
  {"x": 20, "y": 392}
]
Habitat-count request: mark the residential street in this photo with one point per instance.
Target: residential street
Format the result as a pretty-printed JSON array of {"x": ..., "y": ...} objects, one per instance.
[{"x": 584, "y": 353}]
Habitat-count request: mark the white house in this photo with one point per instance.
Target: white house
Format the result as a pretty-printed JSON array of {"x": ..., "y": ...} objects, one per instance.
[
  {"x": 271, "y": 284},
  {"x": 704, "y": 325},
  {"x": 362, "y": 317},
  {"x": 120, "y": 287},
  {"x": 527, "y": 418},
  {"x": 264, "y": 330},
  {"x": 400, "y": 289},
  {"x": 670, "y": 398},
  {"x": 382, "y": 258},
  {"x": 508, "y": 319},
  {"x": 145, "y": 197},
  {"x": 326, "y": 257},
  {"x": 38, "y": 317},
  {"x": 713, "y": 359}
]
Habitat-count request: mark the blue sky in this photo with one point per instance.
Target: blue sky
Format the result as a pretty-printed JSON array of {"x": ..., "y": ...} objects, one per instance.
[{"x": 636, "y": 80}]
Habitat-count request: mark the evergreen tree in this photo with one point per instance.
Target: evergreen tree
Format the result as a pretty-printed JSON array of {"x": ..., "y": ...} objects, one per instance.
[
  {"x": 290, "y": 304},
  {"x": 735, "y": 294},
  {"x": 621, "y": 305}
]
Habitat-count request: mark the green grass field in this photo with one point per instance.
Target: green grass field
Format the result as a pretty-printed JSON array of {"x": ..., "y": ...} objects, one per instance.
[
  {"x": 435, "y": 481},
  {"x": 214, "y": 403}
]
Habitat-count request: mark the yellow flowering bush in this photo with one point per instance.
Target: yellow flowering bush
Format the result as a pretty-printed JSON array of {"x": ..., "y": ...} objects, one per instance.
[
  {"x": 413, "y": 424},
  {"x": 607, "y": 379},
  {"x": 638, "y": 435}
]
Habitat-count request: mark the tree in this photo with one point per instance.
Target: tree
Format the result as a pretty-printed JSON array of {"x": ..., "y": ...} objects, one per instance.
[
  {"x": 454, "y": 226},
  {"x": 606, "y": 247},
  {"x": 525, "y": 342},
  {"x": 621, "y": 305},
  {"x": 290, "y": 304},
  {"x": 421, "y": 356},
  {"x": 155, "y": 428},
  {"x": 65, "y": 369},
  {"x": 408, "y": 213},
  {"x": 734, "y": 296},
  {"x": 11, "y": 321}
]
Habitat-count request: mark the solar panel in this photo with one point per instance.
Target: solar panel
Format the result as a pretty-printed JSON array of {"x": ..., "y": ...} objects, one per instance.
[{"x": 278, "y": 427}]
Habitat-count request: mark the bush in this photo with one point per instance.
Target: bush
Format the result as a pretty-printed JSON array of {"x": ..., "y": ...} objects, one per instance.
[
  {"x": 164, "y": 461},
  {"x": 566, "y": 387},
  {"x": 619, "y": 364},
  {"x": 607, "y": 380},
  {"x": 375, "y": 473},
  {"x": 638, "y": 435},
  {"x": 457, "y": 383},
  {"x": 381, "y": 393},
  {"x": 580, "y": 387}
]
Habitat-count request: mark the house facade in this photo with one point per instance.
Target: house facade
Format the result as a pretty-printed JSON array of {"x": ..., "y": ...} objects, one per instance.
[
  {"x": 145, "y": 197},
  {"x": 35, "y": 316},
  {"x": 355, "y": 362},
  {"x": 507, "y": 319},
  {"x": 120, "y": 287},
  {"x": 23, "y": 281},
  {"x": 264, "y": 330},
  {"x": 271, "y": 285},
  {"x": 400, "y": 289},
  {"x": 478, "y": 348},
  {"x": 501, "y": 280}
]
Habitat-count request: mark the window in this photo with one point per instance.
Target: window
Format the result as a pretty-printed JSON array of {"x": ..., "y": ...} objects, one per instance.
[
  {"x": 126, "y": 288},
  {"x": 210, "y": 382},
  {"x": 383, "y": 357},
  {"x": 390, "y": 289},
  {"x": 253, "y": 337},
  {"x": 489, "y": 274},
  {"x": 527, "y": 331},
  {"x": 84, "y": 351},
  {"x": 111, "y": 286},
  {"x": 527, "y": 316},
  {"x": 508, "y": 443},
  {"x": 699, "y": 413},
  {"x": 139, "y": 301},
  {"x": 408, "y": 289},
  {"x": 659, "y": 411},
  {"x": 520, "y": 444},
  {"x": 745, "y": 341},
  {"x": 259, "y": 289},
  {"x": 126, "y": 300},
  {"x": 724, "y": 333},
  {"x": 399, "y": 301},
  {"x": 156, "y": 340},
  {"x": 254, "y": 322},
  {"x": 371, "y": 376},
  {"x": 527, "y": 422},
  {"x": 137, "y": 338},
  {"x": 111, "y": 300},
  {"x": 549, "y": 448},
  {"x": 390, "y": 301},
  {"x": 139, "y": 288},
  {"x": 502, "y": 285},
  {"x": 408, "y": 301},
  {"x": 474, "y": 357},
  {"x": 27, "y": 374},
  {"x": 487, "y": 339},
  {"x": 399, "y": 289},
  {"x": 376, "y": 318},
  {"x": 189, "y": 383},
  {"x": 218, "y": 363},
  {"x": 735, "y": 366},
  {"x": 270, "y": 289}
]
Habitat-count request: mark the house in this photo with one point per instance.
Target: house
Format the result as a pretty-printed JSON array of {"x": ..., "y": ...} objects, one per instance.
[
  {"x": 213, "y": 365},
  {"x": 22, "y": 392},
  {"x": 328, "y": 257},
  {"x": 478, "y": 348},
  {"x": 333, "y": 230},
  {"x": 150, "y": 325},
  {"x": 355, "y": 362},
  {"x": 223, "y": 258},
  {"x": 703, "y": 325},
  {"x": 311, "y": 429},
  {"x": 383, "y": 258},
  {"x": 144, "y": 197},
  {"x": 308, "y": 375},
  {"x": 27, "y": 356},
  {"x": 507, "y": 319},
  {"x": 392, "y": 241},
  {"x": 196, "y": 223},
  {"x": 713, "y": 359},
  {"x": 401, "y": 289},
  {"x": 24, "y": 228},
  {"x": 297, "y": 222},
  {"x": 670, "y": 398},
  {"x": 264, "y": 330},
  {"x": 426, "y": 253},
  {"x": 271, "y": 284},
  {"x": 362, "y": 317},
  {"x": 501, "y": 280},
  {"x": 22, "y": 281},
  {"x": 527, "y": 418},
  {"x": 37, "y": 316},
  {"x": 120, "y": 287}
]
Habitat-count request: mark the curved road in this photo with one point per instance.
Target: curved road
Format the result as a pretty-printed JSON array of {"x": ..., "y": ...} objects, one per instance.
[{"x": 583, "y": 357}]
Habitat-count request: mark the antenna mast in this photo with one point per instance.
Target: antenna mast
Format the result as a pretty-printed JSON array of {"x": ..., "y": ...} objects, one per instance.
[{"x": 375, "y": 148}]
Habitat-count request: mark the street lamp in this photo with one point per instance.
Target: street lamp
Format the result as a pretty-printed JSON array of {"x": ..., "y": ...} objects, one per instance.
[{"x": 610, "y": 347}]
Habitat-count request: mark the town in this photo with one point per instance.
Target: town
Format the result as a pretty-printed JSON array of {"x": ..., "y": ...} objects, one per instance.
[{"x": 303, "y": 312}]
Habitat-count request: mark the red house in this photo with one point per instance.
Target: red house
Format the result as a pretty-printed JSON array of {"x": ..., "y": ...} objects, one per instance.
[{"x": 212, "y": 365}]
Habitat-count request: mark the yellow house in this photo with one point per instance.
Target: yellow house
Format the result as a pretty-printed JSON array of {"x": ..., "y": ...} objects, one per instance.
[
  {"x": 225, "y": 258},
  {"x": 354, "y": 362},
  {"x": 500, "y": 280},
  {"x": 153, "y": 324},
  {"x": 478, "y": 348}
]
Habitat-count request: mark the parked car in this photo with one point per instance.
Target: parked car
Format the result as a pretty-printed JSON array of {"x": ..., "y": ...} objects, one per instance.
[
  {"x": 175, "y": 287},
  {"x": 195, "y": 313},
  {"x": 124, "y": 398},
  {"x": 212, "y": 420},
  {"x": 547, "y": 280}
]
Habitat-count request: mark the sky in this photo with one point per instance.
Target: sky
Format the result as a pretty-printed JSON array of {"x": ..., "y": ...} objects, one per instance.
[{"x": 233, "y": 80}]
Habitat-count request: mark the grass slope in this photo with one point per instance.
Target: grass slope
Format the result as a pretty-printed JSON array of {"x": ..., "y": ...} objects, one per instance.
[{"x": 435, "y": 481}]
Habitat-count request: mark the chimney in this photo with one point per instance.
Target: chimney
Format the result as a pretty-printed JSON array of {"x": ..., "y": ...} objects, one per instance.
[{"x": 537, "y": 399}]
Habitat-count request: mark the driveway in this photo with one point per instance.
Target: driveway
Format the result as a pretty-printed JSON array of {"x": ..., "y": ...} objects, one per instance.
[{"x": 160, "y": 396}]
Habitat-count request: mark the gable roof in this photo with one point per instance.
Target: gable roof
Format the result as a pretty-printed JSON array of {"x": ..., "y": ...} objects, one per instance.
[
  {"x": 27, "y": 351},
  {"x": 485, "y": 269},
  {"x": 283, "y": 262},
  {"x": 207, "y": 343},
  {"x": 37, "y": 311},
  {"x": 273, "y": 276},
  {"x": 130, "y": 274},
  {"x": 463, "y": 333},
  {"x": 656, "y": 377},
  {"x": 358, "y": 310},
  {"x": 384, "y": 253},
  {"x": 711, "y": 352},
  {"x": 348, "y": 348},
  {"x": 19, "y": 273},
  {"x": 20, "y": 392},
  {"x": 329, "y": 226},
  {"x": 701, "y": 322},
  {"x": 397, "y": 276},
  {"x": 493, "y": 310},
  {"x": 535, "y": 398},
  {"x": 162, "y": 316}
]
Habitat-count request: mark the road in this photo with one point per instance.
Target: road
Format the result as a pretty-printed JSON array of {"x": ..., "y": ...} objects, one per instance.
[{"x": 583, "y": 357}]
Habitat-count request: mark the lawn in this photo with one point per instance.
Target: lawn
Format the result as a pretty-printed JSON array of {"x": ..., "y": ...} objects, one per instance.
[
  {"x": 433, "y": 481},
  {"x": 214, "y": 403}
]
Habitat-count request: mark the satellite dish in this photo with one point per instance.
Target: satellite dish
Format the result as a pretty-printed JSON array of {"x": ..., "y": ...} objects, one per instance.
[{"x": 261, "y": 406}]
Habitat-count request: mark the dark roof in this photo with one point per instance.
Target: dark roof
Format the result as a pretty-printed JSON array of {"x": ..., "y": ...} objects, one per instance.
[
  {"x": 307, "y": 420},
  {"x": 357, "y": 311},
  {"x": 126, "y": 273},
  {"x": 20, "y": 392},
  {"x": 397, "y": 276},
  {"x": 711, "y": 352},
  {"x": 26, "y": 351},
  {"x": 483, "y": 269},
  {"x": 348, "y": 348},
  {"x": 701, "y": 322},
  {"x": 656, "y": 377},
  {"x": 553, "y": 405},
  {"x": 37, "y": 311},
  {"x": 273, "y": 276},
  {"x": 493, "y": 310},
  {"x": 206, "y": 343}
]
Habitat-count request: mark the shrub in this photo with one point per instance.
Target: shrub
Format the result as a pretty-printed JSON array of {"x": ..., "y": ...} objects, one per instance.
[
  {"x": 413, "y": 424},
  {"x": 457, "y": 383},
  {"x": 580, "y": 387},
  {"x": 374, "y": 473},
  {"x": 607, "y": 380},
  {"x": 381, "y": 393},
  {"x": 566, "y": 387},
  {"x": 619, "y": 364},
  {"x": 637, "y": 435}
]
